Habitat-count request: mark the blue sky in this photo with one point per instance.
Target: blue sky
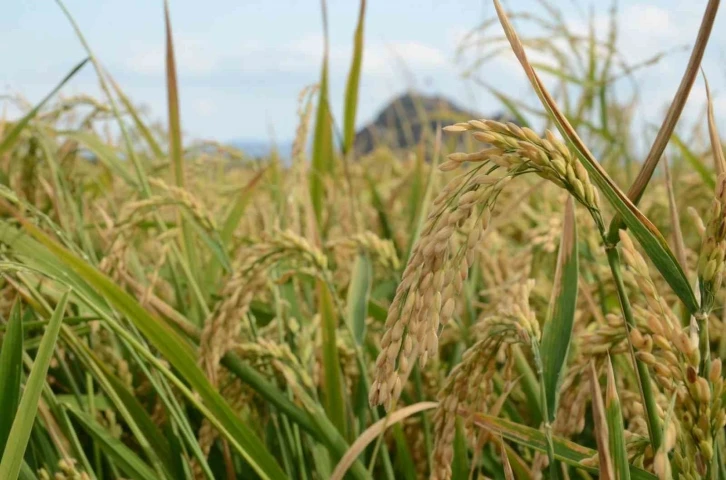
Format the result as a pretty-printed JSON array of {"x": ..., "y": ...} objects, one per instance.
[{"x": 243, "y": 63}]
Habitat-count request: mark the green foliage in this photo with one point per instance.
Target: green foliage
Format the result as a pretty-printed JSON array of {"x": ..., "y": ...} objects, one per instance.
[{"x": 170, "y": 313}]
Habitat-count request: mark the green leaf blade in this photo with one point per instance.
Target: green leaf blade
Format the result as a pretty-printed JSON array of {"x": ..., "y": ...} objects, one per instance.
[
  {"x": 566, "y": 451},
  {"x": 613, "y": 413},
  {"x": 351, "y": 89},
  {"x": 11, "y": 365},
  {"x": 122, "y": 456},
  {"x": 557, "y": 332},
  {"x": 359, "y": 293},
  {"x": 12, "y": 458},
  {"x": 322, "y": 161},
  {"x": 334, "y": 397}
]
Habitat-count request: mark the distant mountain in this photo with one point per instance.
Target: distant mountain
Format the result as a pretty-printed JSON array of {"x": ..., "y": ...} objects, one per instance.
[{"x": 401, "y": 123}]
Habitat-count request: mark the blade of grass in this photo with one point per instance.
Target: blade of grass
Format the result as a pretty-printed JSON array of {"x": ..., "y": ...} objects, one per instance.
[
  {"x": 14, "y": 133},
  {"x": 26, "y": 473},
  {"x": 557, "y": 331},
  {"x": 322, "y": 156},
  {"x": 459, "y": 464},
  {"x": 172, "y": 92},
  {"x": 372, "y": 433},
  {"x": 554, "y": 468},
  {"x": 175, "y": 144},
  {"x": 141, "y": 175},
  {"x": 669, "y": 122},
  {"x": 71, "y": 216},
  {"x": 11, "y": 367},
  {"x": 417, "y": 185},
  {"x": 25, "y": 416},
  {"x": 644, "y": 382},
  {"x": 551, "y": 354},
  {"x": 404, "y": 461},
  {"x": 334, "y": 397},
  {"x": 615, "y": 427},
  {"x": 351, "y": 89},
  {"x": 211, "y": 240},
  {"x": 122, "y": 456},
  {"x": 359, "y": 292},
  {"x": 566, "y": 451},
  {"x": 605, "y": 461}
]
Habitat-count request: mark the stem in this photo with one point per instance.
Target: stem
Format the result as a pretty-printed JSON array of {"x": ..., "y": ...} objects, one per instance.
[{"x": 644, "y": 383}]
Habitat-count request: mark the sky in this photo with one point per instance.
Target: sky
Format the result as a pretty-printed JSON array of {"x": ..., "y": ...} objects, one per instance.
[{"x": 242, "y": 64}]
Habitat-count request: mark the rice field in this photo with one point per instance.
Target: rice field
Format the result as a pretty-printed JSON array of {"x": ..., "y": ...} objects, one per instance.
[{"x": 505, "y": 300}]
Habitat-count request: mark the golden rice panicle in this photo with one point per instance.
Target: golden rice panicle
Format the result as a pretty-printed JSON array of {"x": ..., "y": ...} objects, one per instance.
[
  {"x": 520, "y": 149},
  {"x": 222, "y": 329},
  {"x": 467, "y": 388},
  {"x": 602, "y": 336},
  {"x": 639, "y": 267},
  {"x": 475, "y": 372},
  {"x": 382, "y": 250},
  {"x": 713, "y": 248},
  {"x": 426, "y": 298},
  {"x": 239, "y": 396},
  {"x": 185, "y": 198},
  {"x": 287, "y": 241}
]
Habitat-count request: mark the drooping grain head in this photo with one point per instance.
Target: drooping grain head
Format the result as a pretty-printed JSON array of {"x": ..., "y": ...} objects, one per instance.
[
  {"x": 427, "y": 296},
  {"x": 468, "y": 388},
  {"x": 521, "y": 149}
]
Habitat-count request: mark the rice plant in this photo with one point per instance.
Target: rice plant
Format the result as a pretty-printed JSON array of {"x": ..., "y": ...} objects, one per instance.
[{"x": 544, "y": 303}]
